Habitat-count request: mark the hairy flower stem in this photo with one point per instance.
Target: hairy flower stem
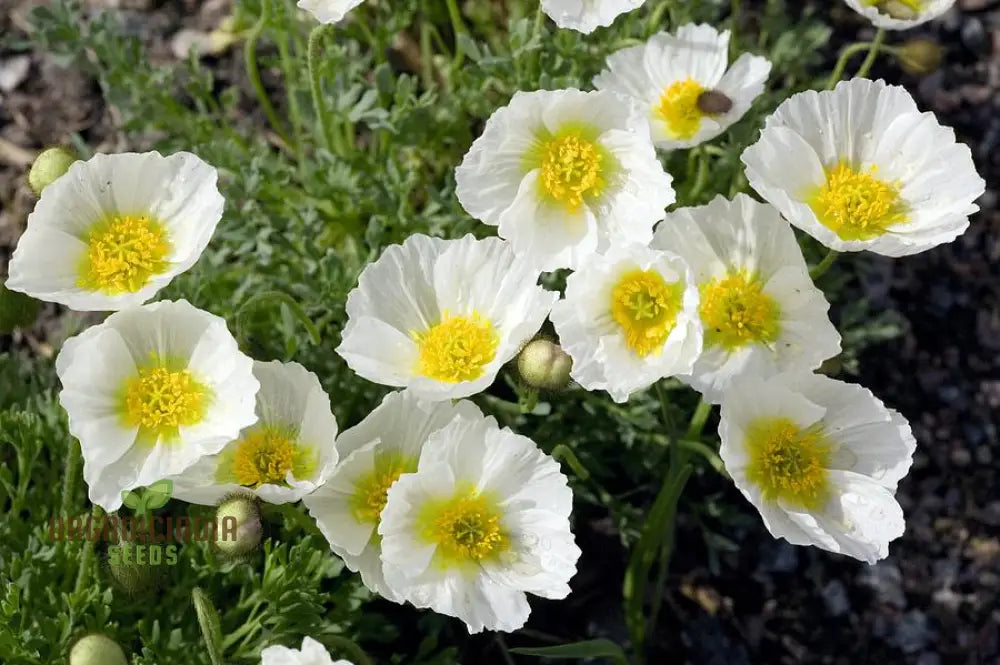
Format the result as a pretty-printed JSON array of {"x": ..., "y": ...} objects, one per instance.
[
  {"x": 845, "y": 55},
  {"x": 86, "y": 555},
  {"x": 458, "y": 27},
  {"x": 872, "y": 54},
  {"x": 315, "y": 87},
  {"x": 253, "y": 72},
  {"x": 817, "y": 270}
]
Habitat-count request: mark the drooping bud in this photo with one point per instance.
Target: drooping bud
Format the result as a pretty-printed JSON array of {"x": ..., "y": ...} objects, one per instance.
[
  {"x": 238, "y": 526},
  {"x": 920, "y": 57},
  {"x": 544, "y": 365},
  {"x": 713, "y": 102},
  {"x": 16, "y": 310},
  {"x": 48, "y": 167},
  {"x": 96, "y": 649}
]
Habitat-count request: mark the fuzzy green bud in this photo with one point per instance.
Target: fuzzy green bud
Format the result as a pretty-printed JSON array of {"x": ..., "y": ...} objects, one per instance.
[
  {"x": 544, "y": 365},
  {"x": 238, "y": 529},
  {"x": 96, "y": 649},
  {"x": 131, "y": 570},
  {"x": 920, "y": 57},
  {"x": 16, "y": 310},
  {"x": 49, "y": 167}
]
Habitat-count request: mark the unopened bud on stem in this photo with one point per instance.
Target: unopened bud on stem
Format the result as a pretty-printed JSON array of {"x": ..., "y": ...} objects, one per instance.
[
  {"x": 49, "y": 166},
  {"x": 243, "y": 510},
  {"x": 920, "y": 57},
  {"x": 544, "y": 365},
  {"x": 96, "y": 649}
]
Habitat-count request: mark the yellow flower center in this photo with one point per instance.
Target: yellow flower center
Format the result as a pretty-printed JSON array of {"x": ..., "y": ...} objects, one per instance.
[
  {"x": 788, "y": 463},
  {"x": 123, "y": 253},
  {"x": 573, "y": 167},
  {"x": 264, "y": 455},
  {"x": 893, "y": 7},
  {"x": 856, "y": 205},
  {"x": 467, "y": 528},
  {"x": 679, "y": 108},
  {"x": 372, "y": 490},
  {"x": 159, "y": 401},
  {"x": 736, "y": 312},
  {"x": 646, "y": 307},
  {"x": 457, "y": 349}
]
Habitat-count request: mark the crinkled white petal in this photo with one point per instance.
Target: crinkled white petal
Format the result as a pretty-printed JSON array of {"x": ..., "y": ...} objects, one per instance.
[
  {"x": 743, "y": 235},
  {"x": 587, "y": 15},
  {"x": 328, "y": 11},
  {"x": 867, "y": 124},
  {"x": 696, "y": 52},
  {"x": 589, "y": 334},
  {"x": 534, "y": 501},
  {"x": 495, "y": 186},
  {"x": 290, "y": 398},
  {"x": 412, "y": 286},
  {"x": 931, "y": 9},
  {"x": 397, "y": 428},
  {"x": 178, "y": 191},
  {"x": 872, "y": 449},
  {"x": 311, "y": 653},
  {"x": 95, "y": 365}
]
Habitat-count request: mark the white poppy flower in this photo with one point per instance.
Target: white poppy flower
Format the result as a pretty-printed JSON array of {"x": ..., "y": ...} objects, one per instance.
[
  {"x": 311, "y": 653},
  {"x": 820, "y": 460},
  {"x": 483, "y": 521},
  {"x": 151, "y": 391},
  {"x": 682, "y": 84},
  {"x": 564, "y": 174},
  {"x": 761, "y": 313},
  {"x": 115, "y": 229},
  {"x": 285, "y": 455},
  {"x": 900, "y": 14},
  {"x": 629, "y": 318},
  {"x": 374, "y": 453},
  {"x": 587, "y": 15},
  {"x": 442, "y": 316},
  {"x": 328, "y": 11},
  {"x": 860, "y": 167}
]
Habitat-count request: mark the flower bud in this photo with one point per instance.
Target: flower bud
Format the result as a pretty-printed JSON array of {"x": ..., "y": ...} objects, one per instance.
[
  {"x": 16, "y": 310},
  {"x": 713, "y": 102},
  {"x": 130, "y": 569},
  {"x": 920, "y": 57},
  {"x": 238, "y": 526},
  {"x": 544, "y": 365},
  {"x": 96, "y": 649},
  {"x": 48, "y": 167}
]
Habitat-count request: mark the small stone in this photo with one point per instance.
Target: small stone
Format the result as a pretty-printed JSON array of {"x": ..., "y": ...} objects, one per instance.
[
  {"x": 913, "y": 632},
  {"x": 13, "y": 72},
  {"x": 835, "y": 598},
  {"x": 886, "y": 581}
]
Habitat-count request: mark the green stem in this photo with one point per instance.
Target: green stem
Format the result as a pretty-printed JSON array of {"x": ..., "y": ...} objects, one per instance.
[
  {"x": 288, "y": 70},
  {"x": 817, "y": 270},
  {"x": 86, "y": 556},
  {"x": 211, "y": 626},
  {"x": 845, "y": 56},
  {"x": 562, "y": 452},
  {"x": 667, "y": 549},
  {"x": 872, "y": 54},
  {"x": 734, "y": 26},
  {"x": 698, "y": 419},
  {"x": 458, "y": 27},
  {"x": 656, "y": 18},
  {"x": 253, "y": 72},
  {"x": 315, "y": 87},
  {"x": 73, "y": 458}
]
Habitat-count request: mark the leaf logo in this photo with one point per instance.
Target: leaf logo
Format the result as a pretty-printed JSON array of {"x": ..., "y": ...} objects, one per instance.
[{"x": 155, "y": 496}]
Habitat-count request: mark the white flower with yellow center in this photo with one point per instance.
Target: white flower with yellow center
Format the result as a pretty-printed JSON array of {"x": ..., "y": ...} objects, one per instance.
[
  {"x": 374, "y": 454},
  {"x": 115, "y": 229},
  {"x": 860, "y": 167},
  {"x": 820, "y": 460},
  {"x": 151, "y": 391},
  {"x": 483, "y": 521},
  {"x": 900, "y": 14},
  {"x": 587, "y": 15},
  {"x": 760, "y": 311},
  {"x": 563, "y": 174},
  {"x": 629, "y": 318},
  {"x": 285, "y": 455},
  {"x": 311, "y": 653},
  {"x": 328, "y": 11},
  {"x": 682, "y": 84},
  {"x": 442, "y": 316}
]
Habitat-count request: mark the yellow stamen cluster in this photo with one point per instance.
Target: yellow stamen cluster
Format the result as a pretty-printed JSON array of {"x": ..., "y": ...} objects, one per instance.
[
  {"x": 856, "y": 205},
  {"x": 466, "y": 528},
  {"x": 646, "y": 307},
  {"x": 457, "y": 349},
  {"x": 159, "y": 401},
  {"x": 573, "y": 167},
  {"x": 372, "y": 491},
  {"x": 679, "y": 108},
  {"x": 265, "y": 455},
  {"x": 788, "y": 463},
  {"x": 123, "y": 253},
  {"x": 736, "y": 312}
]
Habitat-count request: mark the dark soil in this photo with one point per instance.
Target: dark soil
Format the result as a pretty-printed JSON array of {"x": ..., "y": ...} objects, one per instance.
[{"x": 934, "y": 601}]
